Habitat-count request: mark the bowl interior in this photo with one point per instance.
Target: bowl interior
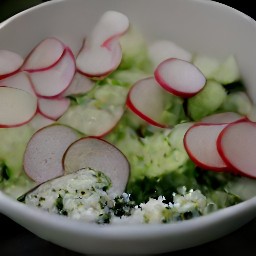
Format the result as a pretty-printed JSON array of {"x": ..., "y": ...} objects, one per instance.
[{"x": 197, "y": 25}]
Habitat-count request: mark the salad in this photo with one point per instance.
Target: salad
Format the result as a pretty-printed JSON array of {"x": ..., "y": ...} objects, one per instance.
[{"x": 126, "y": 131}]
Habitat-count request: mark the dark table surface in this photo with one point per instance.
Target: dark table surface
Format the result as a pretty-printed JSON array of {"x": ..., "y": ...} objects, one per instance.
[{"x": 15, "y": 240}]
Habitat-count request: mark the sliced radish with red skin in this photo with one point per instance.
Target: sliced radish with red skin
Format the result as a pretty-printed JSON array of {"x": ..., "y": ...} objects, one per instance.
[
  {"x": 80, "y": 84},
  {"x": 110, "y": 27},
  {"x": 17, "y": 107},
  {"x": 39, "y": 121},
  {"x": 180, "y": 77},
  {"x": 10, "y": 63},
  {"x": 99, "y": 155},
  {"x": 200, "y": 144},
  {"x": 225, "y": 117},
  {"x": 44, "y": 56},
  {"x": 92, "y": 121},
  {"x": 53, "y": 108},
  {"x": 99, "y": 62},
  {"x": 43, "y": 155},
  {"x": 101, "y": 54},
  {"x": 237, "y": 146},
  {"x": 20, "y": 80},
  {"x": 52, "y": 82},
  {"x": 147, "y": 99}
]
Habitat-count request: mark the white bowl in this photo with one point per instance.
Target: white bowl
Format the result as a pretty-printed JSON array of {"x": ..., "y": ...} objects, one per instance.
[{"x": 197, "y": 25}]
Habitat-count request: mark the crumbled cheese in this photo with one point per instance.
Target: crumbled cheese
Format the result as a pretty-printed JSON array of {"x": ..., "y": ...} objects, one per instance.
[{"x": 83, "y": 195}]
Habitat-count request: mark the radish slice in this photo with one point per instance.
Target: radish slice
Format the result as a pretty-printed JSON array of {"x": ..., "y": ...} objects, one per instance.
[
  {"x": 164, "y": 49},
  {"x": 10, "y": 63},
  {"x": 147, "y": 99},
  {"x": 200, "y": 144},
  {"x": 52, "y": 82},
  {"x": 101, "y": 156},
  {"x": 20, "y": 81},
  {"x": 43, "y": 155},
  {"x": 220, "y": 118},
  {"x": 45, "y": 55},
  {"x": 39, "y": 121},
  {"x": 179, "y": 77},
  {"x": 79, "y": 85},
  {"x": 17, "y": 107},
  {"x": 102, "y": 53},
  {"x": 237, "y": 146},
  {"x": 99, "y": 61},
  {"x": 92, "y": 121},
  {"x": 53, "y": 108},
  {"x": 110, "y": 27}
]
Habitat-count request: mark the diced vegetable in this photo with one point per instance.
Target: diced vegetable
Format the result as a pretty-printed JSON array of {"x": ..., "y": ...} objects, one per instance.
[
  {"x": 162, "y": 50},
  {"x": 12, "y": 148},
  {"x": 227, "y": 72},
  {"x": 99, "y": 111},
  {"x": 207, "y": 101},
  {"x": 135, "y": 57},
  {"x": 237, "y": 102},
  {"x": 206, "y": 64}
]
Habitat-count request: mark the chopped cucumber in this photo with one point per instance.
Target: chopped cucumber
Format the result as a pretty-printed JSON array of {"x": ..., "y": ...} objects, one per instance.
[
  {"x": 242, "y": 187},
  {"x": 207, "y": 101},
  {"x": 98, "y": 112},
  {"x": 237, "y": 102},
  {"x": 12, "y": 147},
  {"x": 135, "y": 53},
  {"x": 227, "y": 72},
  {"x": 207, "y": 65}
]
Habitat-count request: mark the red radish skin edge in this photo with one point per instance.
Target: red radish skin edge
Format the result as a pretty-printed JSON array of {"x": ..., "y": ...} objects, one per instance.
[
  {"x": 124, "y": 158},
  {"x": 99, "y": 76},
  {"x": 167, "y": 87},
  {"x": 27, "y": 160},
  {"x": 20, "y": 124},
  {"x": 131, "y": 106},
  {"x": 223, "y": 118},
  {"x": 64, "y": 89},
  {"x": 195, "y": 160},
  {"x": 223, "y": 156},
  {"x": 9, "y": 74},
  {"x": 44, "y": 68},
  {"x": 53, "y": 118}
]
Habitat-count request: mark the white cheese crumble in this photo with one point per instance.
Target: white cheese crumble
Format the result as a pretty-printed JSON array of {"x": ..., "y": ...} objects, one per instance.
[
  {"x": 80, "y": 195},
  {"x": 83, "y": 195}
]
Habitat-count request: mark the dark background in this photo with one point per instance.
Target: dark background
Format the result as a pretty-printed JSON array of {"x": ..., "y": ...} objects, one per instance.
[{"x": 15, "y": 240}]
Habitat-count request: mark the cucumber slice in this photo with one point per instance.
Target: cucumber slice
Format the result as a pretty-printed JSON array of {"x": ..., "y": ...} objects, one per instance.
[
  {"x": 12, "y": 148},
  {"x": 99, "y": 111},
  {"x": 207, "y": 101},
  {"x": 227, "y": 72},
  {"x": 207, "y": 65}
]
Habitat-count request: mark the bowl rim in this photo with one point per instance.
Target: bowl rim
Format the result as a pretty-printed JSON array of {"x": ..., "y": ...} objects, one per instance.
[{"x": 8, "y": 204}]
